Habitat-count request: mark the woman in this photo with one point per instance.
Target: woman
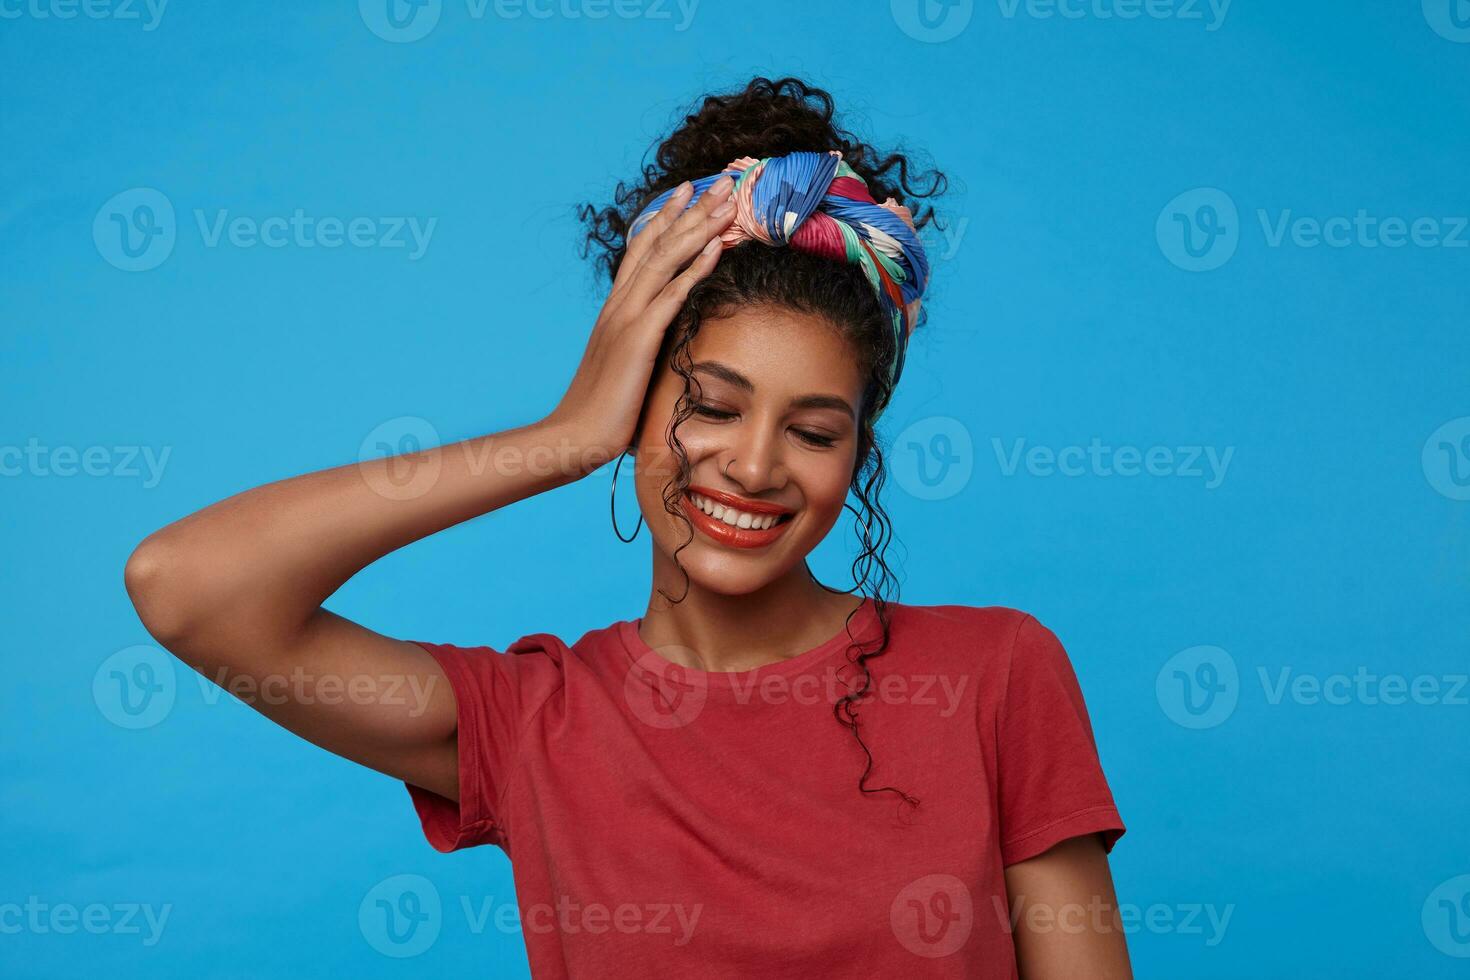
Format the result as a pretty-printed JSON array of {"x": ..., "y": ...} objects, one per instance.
[{"x": 762, "y": 775}]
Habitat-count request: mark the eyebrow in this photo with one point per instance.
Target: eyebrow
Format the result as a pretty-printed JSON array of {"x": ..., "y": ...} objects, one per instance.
[{"x": 728, "y": 374}]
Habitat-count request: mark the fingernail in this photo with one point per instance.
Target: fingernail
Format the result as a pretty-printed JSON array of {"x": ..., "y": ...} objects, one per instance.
[
  {"x": 721, "y": 187},
  {"x": 723, "y": 210},
  {"x": 713, "y": 245},
  {"x": 683, "y": 189}
]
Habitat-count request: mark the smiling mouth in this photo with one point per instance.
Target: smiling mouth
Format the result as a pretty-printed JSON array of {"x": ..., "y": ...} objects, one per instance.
[{"x": 733, "y": 525}]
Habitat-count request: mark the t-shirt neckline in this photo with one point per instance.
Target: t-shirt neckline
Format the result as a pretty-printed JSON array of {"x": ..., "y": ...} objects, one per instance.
[{"x": 863, "y": 627}]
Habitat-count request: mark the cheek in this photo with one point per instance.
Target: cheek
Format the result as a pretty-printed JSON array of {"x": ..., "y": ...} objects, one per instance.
[
  {"x": 651, "y": 441},
  {"x": 825, "y": 481}
]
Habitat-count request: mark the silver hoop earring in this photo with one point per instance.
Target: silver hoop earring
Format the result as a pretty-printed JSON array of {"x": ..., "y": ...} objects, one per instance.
[{"x": 613, "y": 506}]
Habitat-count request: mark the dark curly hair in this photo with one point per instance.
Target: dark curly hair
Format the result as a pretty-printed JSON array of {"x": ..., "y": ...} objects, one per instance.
[{"x": 771, "y": 118}]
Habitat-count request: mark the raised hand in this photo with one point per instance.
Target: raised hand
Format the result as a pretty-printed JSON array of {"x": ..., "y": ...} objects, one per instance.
[{"x": 678, "y": 247}]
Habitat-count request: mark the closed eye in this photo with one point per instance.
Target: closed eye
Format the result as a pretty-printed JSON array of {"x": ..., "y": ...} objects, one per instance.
[
  {"x": 810, "y": 438},
  {"x": 710, "y": 412},
  {"x": 814, "y": 439}
]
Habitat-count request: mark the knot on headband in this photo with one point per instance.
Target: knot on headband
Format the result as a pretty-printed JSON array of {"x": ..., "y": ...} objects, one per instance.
[{"x": 816, "y": 203}]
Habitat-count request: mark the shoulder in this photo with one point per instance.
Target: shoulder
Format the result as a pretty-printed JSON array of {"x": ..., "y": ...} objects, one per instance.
[
  {"x": 969, "y": 627},
  {"x": 985, "y": 639},
  {"x": 537, "y": 653},
  {"x": 535, "y": 660}
]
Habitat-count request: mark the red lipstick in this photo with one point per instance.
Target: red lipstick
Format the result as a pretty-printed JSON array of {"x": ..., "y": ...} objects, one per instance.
[{"x": 728, "y": 534}]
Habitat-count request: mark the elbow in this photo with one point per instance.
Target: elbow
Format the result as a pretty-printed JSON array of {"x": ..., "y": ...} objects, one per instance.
[{"x": 157, "y": 585}]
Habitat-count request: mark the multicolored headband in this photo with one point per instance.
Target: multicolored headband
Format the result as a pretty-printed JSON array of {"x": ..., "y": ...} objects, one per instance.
[{"x": 816, "y": 203}]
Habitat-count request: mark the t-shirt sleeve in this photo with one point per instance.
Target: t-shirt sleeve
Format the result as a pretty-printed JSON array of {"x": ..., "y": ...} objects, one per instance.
[
  {"x": 497, "y": 696},
  {"x": 1050, "y": 780}
]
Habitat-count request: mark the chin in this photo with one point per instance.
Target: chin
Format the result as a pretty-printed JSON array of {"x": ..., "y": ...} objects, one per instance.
[{"x": 723, "y": 571}]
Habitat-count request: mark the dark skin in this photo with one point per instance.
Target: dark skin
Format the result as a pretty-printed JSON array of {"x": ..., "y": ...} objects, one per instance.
[
  {"x": 1066, "y": 913},
  {"x": 236, "y": 589}
]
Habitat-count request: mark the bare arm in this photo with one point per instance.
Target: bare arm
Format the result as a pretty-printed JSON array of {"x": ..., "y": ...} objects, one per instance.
[
  {"x": 1066, "y": 914},
  {"x": 236, "y": 589}
]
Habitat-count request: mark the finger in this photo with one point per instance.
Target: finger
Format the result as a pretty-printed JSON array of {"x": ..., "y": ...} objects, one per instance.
[
  {"x": 638, "y": 245},
  {"x": 686, "y": 229},
  {"x": 672, "y": 209},
  {"x": 665, "y": 306},
  {"x": 681, "y": 242}
]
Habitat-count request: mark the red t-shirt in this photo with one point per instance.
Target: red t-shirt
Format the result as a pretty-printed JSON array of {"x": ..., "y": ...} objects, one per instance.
[{"x": 667, "y": 821}]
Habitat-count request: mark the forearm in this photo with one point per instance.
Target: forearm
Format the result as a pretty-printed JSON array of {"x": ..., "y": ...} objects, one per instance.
[
  {"x": 260, "y": 563},
  {"x": 1065, "y": 910}
]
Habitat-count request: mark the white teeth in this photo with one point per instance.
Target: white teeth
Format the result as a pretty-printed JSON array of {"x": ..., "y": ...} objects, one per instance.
[{"x": 731, "y": 516}]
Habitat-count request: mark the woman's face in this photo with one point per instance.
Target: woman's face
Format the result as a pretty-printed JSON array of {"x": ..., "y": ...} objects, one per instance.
[{"x": 771, "y": 445}]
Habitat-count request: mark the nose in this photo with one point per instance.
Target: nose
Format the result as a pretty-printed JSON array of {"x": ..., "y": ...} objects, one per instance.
[{"x": 753, "y": 458}]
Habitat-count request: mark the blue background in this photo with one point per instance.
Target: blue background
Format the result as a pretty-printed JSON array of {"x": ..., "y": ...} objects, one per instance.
[{"x": 1060, "y": 314}]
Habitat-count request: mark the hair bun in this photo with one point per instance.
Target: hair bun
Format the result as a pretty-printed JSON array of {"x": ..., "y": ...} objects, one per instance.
[{"x": 765, "y": 118}]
